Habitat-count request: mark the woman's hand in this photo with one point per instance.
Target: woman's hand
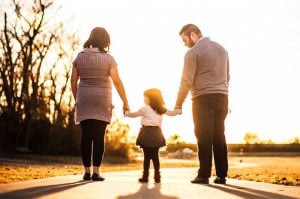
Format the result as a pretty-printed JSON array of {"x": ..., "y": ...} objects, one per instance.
[{"x": 125, "y": 108}]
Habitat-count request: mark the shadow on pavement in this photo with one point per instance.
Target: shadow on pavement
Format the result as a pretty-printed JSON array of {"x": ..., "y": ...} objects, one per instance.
[
  {"x": 39, "y": 191},
  {"x": 146, "y": 192},
  {"x": 248, "y": 192}
]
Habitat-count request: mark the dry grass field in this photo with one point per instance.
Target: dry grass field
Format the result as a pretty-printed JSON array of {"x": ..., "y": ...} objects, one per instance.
[
  {"x": 278, "y": 170},
  {"x": 282, "y": 169}
]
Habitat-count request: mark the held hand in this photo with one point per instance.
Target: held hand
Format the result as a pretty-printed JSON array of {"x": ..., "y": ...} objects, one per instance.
[
  {"x": 177, "y": 107},
  {"x": 178, "y": 111},
  {"x": 125, "y": 113},
  {"x": 125, "y": 108}
]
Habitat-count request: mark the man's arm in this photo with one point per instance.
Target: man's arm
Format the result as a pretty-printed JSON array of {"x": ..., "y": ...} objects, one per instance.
[{"x": 188, "y": 74}]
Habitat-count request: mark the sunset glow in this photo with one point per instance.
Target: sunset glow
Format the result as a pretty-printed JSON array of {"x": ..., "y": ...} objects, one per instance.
[{"x": 262, "y": 38}]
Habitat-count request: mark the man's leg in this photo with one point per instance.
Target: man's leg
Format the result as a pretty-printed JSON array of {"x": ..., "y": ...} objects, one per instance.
[
  {"x": 219, "y": 140},
  {"x": 203, "y": 115}
]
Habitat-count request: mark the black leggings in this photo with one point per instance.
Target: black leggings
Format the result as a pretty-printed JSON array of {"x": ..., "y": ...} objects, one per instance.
[
  {"x": 151, "y": 153},
  {"x": 93, "y": 132}
]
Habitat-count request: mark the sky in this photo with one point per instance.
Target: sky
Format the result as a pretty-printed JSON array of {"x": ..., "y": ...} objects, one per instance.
[{"x": 262, "y": 38}]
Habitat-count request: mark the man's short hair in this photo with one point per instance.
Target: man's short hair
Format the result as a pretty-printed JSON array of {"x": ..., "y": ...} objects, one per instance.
[{"x": 188, "y": 28}]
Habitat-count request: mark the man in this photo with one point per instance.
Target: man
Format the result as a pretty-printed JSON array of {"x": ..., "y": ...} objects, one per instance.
[{"x": 206, "y": 75}]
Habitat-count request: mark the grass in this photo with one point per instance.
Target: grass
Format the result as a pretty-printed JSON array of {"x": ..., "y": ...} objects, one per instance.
[
  {"x": 277, "y": 170},
  {"x": 272, "y": 169}
]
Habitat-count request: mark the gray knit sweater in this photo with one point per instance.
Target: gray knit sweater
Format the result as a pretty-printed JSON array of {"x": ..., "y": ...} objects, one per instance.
[
  {"x": 94, "y": 95},
  {"x": 205, "y": 71}
]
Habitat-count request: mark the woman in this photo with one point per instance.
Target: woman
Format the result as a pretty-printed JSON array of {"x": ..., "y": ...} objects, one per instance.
[{"x": 95, "y": 69}]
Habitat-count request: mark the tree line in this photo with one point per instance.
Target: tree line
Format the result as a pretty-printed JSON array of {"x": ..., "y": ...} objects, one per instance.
[{"x": 36, "y": 105}]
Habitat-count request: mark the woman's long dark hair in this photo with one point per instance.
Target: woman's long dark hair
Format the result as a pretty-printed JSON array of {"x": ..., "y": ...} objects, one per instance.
[
  {"x": 156, "y": 100},
  {"x": 99, "y": 38}
]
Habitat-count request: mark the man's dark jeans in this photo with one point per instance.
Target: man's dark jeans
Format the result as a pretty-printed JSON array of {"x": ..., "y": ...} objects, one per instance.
[{"x": 209, "y": 113}]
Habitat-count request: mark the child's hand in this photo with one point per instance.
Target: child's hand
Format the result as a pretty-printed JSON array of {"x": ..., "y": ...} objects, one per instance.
[{"x": 178, "y": 111}]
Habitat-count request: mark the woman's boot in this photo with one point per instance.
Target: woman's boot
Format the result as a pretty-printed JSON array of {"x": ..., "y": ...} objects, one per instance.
[
  {"x": 157, "y": 176},
  {"x": 145, "y": 176}
]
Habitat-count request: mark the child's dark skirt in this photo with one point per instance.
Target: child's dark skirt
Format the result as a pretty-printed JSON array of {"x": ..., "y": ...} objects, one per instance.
[{"x": 150, "y": 136}]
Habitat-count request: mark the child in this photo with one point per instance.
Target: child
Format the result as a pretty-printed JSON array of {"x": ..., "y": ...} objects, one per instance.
[{"x": 150, "y": 137}]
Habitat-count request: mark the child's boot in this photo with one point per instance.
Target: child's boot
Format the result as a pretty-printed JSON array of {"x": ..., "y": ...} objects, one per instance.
[
  {"x": 157, "y": 176},
  {"x": 145, "y": 176}
]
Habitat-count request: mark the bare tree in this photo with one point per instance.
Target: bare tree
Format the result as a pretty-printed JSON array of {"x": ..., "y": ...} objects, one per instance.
[{"x": 35, "y": 59}]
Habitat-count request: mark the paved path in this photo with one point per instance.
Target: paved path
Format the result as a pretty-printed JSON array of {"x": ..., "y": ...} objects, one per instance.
[{"x": 123, "y": 185}]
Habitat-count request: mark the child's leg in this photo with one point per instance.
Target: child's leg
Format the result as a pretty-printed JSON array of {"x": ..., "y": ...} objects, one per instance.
[
  {"x": 146, "y": 164},
  {"x": 155, "y": 158},
  {"x": 156, "y": 164},
  {"x": 147, "y": 158}
]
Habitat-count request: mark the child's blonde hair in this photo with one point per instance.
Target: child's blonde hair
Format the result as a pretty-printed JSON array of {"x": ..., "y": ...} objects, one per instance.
[{"x": 156, "y": 100}]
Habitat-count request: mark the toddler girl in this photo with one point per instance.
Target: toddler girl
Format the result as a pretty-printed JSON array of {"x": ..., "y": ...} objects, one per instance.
[{"x": 150, "y": 137}]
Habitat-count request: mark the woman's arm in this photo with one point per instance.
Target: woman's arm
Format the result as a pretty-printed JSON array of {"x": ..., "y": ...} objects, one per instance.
[
  {"x": 74, "y": 81},
  {"x": 119, "y": 87}
]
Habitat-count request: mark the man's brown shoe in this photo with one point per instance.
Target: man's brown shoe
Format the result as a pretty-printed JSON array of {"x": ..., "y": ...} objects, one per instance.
[
  {"x": 219, "y": 180},
  {"x": 199, "y": 180}
]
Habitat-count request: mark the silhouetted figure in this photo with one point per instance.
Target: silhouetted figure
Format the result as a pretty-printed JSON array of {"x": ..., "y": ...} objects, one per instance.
[
  {"x": 206, "y": 75},
  {"x": 150, "y": 137},
  {"x": 95, "y": 68}
]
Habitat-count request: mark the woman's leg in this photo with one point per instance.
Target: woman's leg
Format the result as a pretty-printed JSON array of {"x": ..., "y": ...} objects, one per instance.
[
  {"x": 86, "y": 143},
  {"x": 98, "y": 129},
  {"x": 86, "y": 148}
]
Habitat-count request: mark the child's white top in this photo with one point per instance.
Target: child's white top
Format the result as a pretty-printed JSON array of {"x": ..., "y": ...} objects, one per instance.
[{"x": 149, "y": 116}]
